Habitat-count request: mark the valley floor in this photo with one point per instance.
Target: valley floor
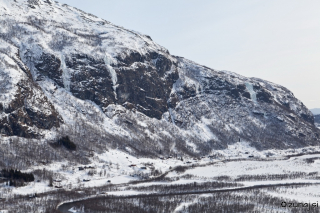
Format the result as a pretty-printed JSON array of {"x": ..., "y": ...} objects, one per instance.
[{"x": 273, "y": 176}]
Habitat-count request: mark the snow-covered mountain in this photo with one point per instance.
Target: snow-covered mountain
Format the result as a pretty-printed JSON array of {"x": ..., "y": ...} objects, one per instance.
[
  {"x": 64, "y": 71},
  {"x": 315, "y": 111}
]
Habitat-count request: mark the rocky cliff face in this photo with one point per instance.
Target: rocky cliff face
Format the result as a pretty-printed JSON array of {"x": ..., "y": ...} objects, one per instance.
[
  {"x": 63, "y": 67},
  {"x": 23, "y": 106}
]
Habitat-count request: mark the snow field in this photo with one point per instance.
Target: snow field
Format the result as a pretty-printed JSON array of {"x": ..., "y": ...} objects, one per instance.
[
  {"x": 238, "y": 168},
  {"x": 114, "y": 165}
]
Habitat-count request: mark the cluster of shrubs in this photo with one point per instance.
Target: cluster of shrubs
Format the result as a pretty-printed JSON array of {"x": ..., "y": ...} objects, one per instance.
[
  {"x": 16, "y": 177},
  {"x": 294, "y": 175},
  {"x": 180, "y": 169},
  {"x": 66, "y": 142},
  {"x": 179, "y": 188}
]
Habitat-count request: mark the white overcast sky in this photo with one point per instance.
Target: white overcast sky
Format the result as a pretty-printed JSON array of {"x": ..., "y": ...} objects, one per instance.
[{"x": 276, "y": 40}]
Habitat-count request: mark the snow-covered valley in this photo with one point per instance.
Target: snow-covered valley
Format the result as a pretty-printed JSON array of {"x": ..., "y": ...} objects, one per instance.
[{"x": 115, "y": 173}]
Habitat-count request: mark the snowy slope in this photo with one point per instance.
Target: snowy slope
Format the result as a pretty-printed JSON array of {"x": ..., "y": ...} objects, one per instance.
[{"x": 95, "y": 81}]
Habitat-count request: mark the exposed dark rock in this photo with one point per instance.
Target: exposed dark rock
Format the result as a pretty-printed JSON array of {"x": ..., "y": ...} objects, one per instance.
[
  {"x": 28, "y": 110},
  {"x": 291, "y": 117},
  {"x": 50, "y": 66},
  {"x": 264, "y": 96},
  {"x": 246, "y": 95},
  {"x": 163, "y": 64},
  {"x": 287, "y": 105},
  {"x": 173, "y": 100},
  {"x": 143, "y": 87},
  {"x": 241, "y": 87},
  {"x": 188, "y": 91},
  {"x": 308, "y": 118},
  {"x": 235, "y": 93},
  {"x": 302, "y": 135},
  {"x": 133, "y": 57},
  {"x": 216, "y": 83},
  {"x": 258, "y": 112},
  {"x": 91, "y": 79}
]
